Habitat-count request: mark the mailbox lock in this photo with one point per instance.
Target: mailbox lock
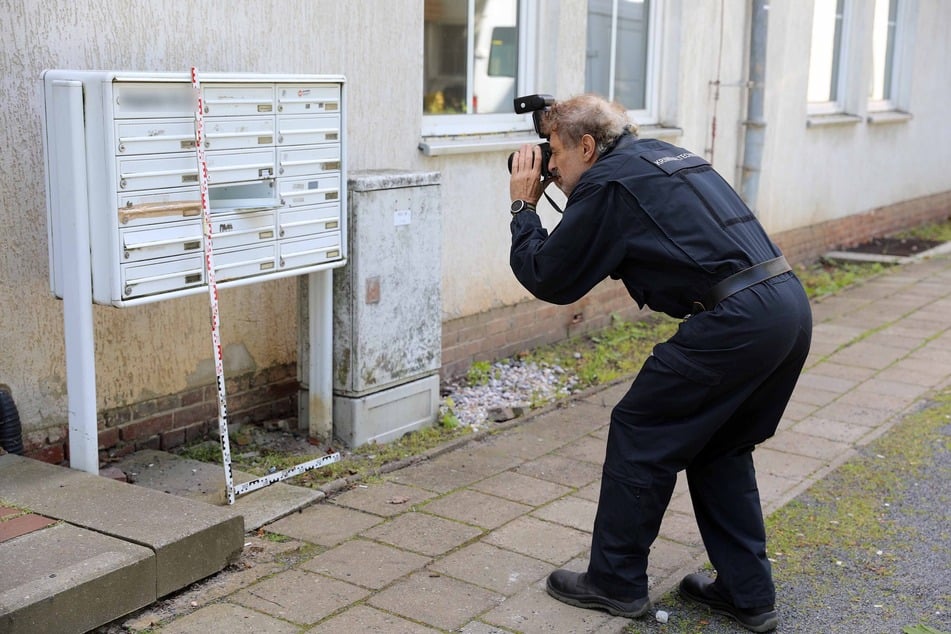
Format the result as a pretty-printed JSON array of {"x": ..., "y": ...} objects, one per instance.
[
  {"x": 127, "y": 290},
  {"x": 122, "y": 183},
  {"x": 122, "y": 147}
]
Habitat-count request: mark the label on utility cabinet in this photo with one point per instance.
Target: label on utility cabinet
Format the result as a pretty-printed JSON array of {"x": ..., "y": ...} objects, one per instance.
[{"x": 402, "y": 217}]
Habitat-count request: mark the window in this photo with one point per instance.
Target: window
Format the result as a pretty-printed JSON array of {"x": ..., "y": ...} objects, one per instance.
[
  {"x": 619, "y": 54},
  {"x": 474, "y": 65},
  {"x": 883, "y": 49},
  {"x": 891, "y": 38},
  {"x": 860, "y": 60},
  {"x": 826, "y": 72}
]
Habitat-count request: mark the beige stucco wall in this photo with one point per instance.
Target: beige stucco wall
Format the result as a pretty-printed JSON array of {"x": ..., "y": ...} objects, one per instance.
[
  {"x": 164, "y": 348},
  {"x": 808, "y": 174},
  {"x": 819, "y": 173}
]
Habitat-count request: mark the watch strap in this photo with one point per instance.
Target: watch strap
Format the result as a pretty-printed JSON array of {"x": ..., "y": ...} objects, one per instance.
[{"x": 521, "y": 205}]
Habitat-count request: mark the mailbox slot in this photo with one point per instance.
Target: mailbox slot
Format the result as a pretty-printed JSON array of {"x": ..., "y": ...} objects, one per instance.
[
  {"x": 240, "y": 165},
  {"x": 295, "y": 222},
  {"x": 312, "y": 159},
  {"x": 311, "y": 250},
  {"x": 232, "y": 264},
  {"x": 238, "y": 99},
  {"x": 308, "y": 191},
  {"x": 152, "y": 100},
  {"x": 161, "y": 276},
  {"x": 136, "y": 209},
  {"x": 308, "y": 129},
  {"x": 160, "y": 241},
  {"x": 157, "y": 136},
  {"x": 231, "y": 230},
  {"x": 308, "y": 98},
  {"x": 228, "y": 133}
]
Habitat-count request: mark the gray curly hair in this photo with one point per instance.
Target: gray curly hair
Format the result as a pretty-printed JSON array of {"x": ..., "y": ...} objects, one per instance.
[{"x": 590, "y": 114}]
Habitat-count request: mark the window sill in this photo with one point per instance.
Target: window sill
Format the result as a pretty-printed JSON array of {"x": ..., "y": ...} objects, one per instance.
[
  {"x": 658, "y": 132},
  {"x": 475, "y": 143},
  {"x": 840, "y": 118},
  {"x": 888, "y": 116}
]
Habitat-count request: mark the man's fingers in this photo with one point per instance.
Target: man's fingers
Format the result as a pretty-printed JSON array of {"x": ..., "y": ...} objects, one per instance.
[{"x": 526, "y": 156}]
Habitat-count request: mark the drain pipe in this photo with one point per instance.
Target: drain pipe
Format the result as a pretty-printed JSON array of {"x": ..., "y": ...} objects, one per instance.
[
  {"x": 755, "y": 121},
  {"x": 11, "y": 434}
]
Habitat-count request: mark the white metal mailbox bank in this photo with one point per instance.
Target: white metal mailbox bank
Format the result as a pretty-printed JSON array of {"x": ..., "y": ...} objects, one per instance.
[{"x": 275, "y": 154}]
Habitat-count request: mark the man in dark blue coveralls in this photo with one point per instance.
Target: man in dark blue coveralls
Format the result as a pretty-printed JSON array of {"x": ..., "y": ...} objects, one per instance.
[{"x": 661, "y": 220}]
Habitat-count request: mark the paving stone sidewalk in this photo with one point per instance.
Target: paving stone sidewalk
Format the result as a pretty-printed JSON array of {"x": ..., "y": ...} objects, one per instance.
[{"x": 463, "y": 542}]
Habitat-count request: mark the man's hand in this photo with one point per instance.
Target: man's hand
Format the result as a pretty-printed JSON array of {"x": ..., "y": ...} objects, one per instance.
[{"x": 526, "y": 182}]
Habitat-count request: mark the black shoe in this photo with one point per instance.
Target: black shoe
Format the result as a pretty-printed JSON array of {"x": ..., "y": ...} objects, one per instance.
[
  {"x": 574, "y": 589},
  {"x": 701, "y": 589}
]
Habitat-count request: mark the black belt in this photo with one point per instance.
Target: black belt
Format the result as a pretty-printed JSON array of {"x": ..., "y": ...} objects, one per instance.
[{"x": 739, "y": 281}]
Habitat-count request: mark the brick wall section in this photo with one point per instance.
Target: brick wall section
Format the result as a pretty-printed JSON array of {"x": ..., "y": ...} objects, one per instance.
[
  {"x": 173, "y": 420},
  {"x": 809, "y": 243},
  {"x": 506, "y": 331}
]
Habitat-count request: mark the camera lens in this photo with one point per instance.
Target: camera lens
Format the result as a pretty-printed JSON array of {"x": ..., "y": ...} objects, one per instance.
[{"x": 546, "y": 155}]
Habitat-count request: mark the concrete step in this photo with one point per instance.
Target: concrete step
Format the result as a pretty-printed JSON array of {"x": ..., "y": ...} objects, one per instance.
[
  {"x": 68, "y": 579},
  {"x": 133, "y": 546},
  {"x": 205, "y": 482}
]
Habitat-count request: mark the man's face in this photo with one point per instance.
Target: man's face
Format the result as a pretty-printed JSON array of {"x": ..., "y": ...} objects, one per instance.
[{"x": 567, "y": 164}]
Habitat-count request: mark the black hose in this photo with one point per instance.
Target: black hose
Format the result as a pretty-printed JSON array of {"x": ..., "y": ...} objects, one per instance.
[{"x": 11, "y": 433}]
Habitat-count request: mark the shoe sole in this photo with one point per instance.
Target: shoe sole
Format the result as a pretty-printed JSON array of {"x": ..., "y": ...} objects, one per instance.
[
  {"x": 768, "y": 625},
  {"x": 598, "y": 603}
]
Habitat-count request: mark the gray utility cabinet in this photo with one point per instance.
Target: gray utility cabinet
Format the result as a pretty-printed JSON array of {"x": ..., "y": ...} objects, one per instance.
[{"x": 388, "y": 309}]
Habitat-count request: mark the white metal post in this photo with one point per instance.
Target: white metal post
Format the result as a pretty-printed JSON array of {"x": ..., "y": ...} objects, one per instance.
[
  {"x": 320, "y": 361},
  {"x": 77, "y": 278}
]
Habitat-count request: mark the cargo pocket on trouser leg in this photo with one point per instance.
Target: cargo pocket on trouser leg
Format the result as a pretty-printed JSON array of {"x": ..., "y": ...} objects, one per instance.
[
  {"x": 669, "y": 386},
  {"x": 661, "y": 422}
]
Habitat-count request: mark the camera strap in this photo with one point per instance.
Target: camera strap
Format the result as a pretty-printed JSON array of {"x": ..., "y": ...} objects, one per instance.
[{"x": 553, "y": 203}]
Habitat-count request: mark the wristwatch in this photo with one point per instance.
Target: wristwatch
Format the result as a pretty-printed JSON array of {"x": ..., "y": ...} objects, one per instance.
[{"x": 520, "y": 205}]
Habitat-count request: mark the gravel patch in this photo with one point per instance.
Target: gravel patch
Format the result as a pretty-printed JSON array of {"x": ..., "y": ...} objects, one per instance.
[{"x": 511, "y": 388}]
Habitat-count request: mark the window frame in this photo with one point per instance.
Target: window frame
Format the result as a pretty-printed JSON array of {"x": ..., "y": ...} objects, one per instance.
[
  {"x": 470, "y": 133},
  {"x": 650, "y": 114},
  {"x": 902, "y": 54},
  {"x": 841, "y": 68},
  {"x": 443, "y": 125}
]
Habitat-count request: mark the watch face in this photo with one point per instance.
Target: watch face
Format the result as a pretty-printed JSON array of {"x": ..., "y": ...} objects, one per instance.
[{"x": 518, "y": 206}]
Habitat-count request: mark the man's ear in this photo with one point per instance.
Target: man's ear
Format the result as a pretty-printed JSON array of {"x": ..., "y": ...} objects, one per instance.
[{"x": 589, "y": 148}]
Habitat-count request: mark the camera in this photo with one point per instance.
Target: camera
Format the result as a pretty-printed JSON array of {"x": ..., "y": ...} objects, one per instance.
[
  {"x": 538, "y": 105},
  {"x": 546, "y": 155}
]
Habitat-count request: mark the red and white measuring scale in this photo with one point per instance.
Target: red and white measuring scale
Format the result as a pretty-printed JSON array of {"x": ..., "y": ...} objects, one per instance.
[{"x": 231, "y": 489}]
